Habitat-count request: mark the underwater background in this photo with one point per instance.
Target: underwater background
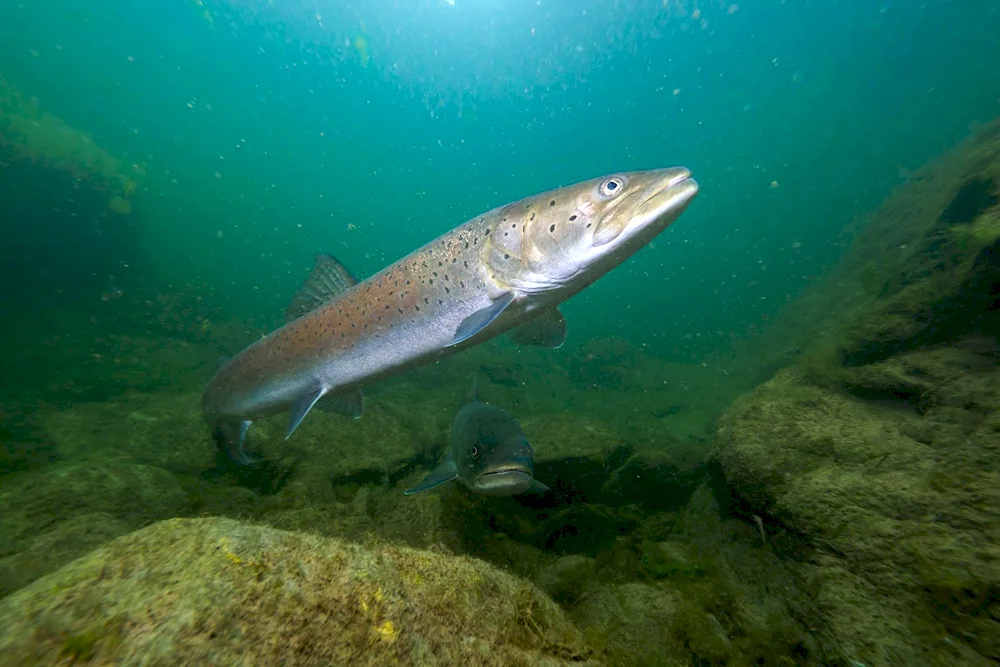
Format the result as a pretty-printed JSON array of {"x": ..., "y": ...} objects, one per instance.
[{"x": 771, "y": 436}]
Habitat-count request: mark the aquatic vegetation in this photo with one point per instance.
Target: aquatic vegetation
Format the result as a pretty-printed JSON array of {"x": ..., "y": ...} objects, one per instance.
[{"x": 38, "y": 136}]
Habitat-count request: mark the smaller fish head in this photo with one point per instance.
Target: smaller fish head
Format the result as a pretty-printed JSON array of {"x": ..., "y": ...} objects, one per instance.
[
  {"x": 576, "y": 234},
  {"x": 499, "y": 464}
]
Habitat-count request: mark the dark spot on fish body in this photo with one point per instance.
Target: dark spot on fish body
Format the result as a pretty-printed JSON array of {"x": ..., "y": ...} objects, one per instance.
[
  {"x": 532, "y": 216},
  {"x": 552, "y": 228},
  {"x": 552, "y": 203},
  {"x": 506, "y": 256},
  {"x": 572, "y": 217},
  {"x": 426, "y": 300},
  {"x": 454, "y": 259}
]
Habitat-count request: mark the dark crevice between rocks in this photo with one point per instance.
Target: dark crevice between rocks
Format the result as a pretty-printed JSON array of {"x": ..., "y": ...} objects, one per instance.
[
  {"x": 958, "y": 309},
  {"x": 969, "y": 309},
  {"x": 264, "y": 477},
  {"x": 972, "y": 200},
  {"x": 587, "y": 508}
]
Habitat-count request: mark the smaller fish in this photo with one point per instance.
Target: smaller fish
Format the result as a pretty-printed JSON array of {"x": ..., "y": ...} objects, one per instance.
[
  {"x": 489, "y": 454},
  {"x": 114, "y": 292}
]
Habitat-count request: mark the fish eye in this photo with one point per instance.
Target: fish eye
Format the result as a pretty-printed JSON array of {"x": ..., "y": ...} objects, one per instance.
[
  {"x": 475, "y": 452},
  {"x": 612, "y": 186}
]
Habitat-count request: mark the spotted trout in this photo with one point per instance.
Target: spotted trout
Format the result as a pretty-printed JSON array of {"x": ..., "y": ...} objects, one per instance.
[{"x": 506, "y": 270}]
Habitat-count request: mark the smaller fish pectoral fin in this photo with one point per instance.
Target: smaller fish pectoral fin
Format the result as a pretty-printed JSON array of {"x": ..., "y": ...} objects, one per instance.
[
  {"x": 537, "y": 487},
  {"x": 481, "y": 319},
  {"x": 547, "y": 330},
  {"x": 301, "y": 408},
  {"x": 445, "y": 472},
  {"x": 350, "y": 404}
]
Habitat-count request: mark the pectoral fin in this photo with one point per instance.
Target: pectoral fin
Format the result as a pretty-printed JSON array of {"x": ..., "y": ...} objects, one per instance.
[
  {"x": 350, "y": 404},
  {"x": 481, "y": 319},
  {"x": 537, "y": 487},
  {"x": 445, "y": 472},
  {"x": 302, "y": 407},
  {"x": 546, "y": 330}
]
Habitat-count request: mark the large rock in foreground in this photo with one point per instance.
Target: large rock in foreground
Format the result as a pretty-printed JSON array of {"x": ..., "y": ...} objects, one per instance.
[{"x": 216, "y": 591}]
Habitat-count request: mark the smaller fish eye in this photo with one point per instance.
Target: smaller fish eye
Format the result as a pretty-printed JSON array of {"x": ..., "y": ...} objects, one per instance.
[
  {"x": 612, "y": 186},
  {"x": 475, "y": 451}
]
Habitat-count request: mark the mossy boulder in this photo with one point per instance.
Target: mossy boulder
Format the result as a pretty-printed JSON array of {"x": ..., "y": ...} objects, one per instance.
[
  {"x": 215, "y": 591},
  {"x": 892, "y": 481},
  {"x": 158, "y": 429},
  {"x": 57, "y": 546},
  {"x": 34, "y": 502},
  {"x": 53, "y": 515}
]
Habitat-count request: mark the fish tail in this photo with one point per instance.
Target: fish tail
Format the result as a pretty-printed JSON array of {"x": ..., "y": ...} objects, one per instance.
[{"x": 230, "y": 438}]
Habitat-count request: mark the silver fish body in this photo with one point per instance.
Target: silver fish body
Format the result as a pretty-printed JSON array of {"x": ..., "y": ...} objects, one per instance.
[{"x": 508, "y": 267}]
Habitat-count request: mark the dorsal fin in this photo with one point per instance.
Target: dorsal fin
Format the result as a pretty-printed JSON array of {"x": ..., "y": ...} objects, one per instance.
[{"x": 327, "y": 279}]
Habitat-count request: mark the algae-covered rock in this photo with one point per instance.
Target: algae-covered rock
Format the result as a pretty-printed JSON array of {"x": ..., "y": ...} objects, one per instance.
[
  {"x": 893, "y": 482},
  {"x": 57, "y": 546},
  {"x": 214, "y": 591},
  {"x": 51, "y": 516},
  {"x": 632, "y": 623},
  {"x": 163, "y": 430},
  {"x": 33, "y": 502},
  {"x": 568, "y": 578}
]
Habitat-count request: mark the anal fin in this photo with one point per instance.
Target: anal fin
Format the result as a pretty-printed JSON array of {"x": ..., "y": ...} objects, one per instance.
[
  {"x": 350, "y": 404},
  {"x": 547, "y": 330},
  {"x": 302, "y": 407},
  {"x": 481, "y": 319}
]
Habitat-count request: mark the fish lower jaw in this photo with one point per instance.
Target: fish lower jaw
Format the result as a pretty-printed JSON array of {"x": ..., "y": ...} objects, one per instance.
[{"x": 503, "y": 482}]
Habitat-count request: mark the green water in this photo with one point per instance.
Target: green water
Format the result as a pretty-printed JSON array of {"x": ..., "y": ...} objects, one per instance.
[{"x": 169, "y": 170}]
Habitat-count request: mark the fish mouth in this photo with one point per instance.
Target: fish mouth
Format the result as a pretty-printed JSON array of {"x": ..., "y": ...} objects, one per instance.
[
  {"x": 670, "y": 196},
  {"x": 504, "y": 482}
]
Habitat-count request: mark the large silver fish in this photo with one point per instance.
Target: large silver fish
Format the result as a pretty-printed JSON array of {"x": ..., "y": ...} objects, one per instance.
[
  {"x": 510, "y": 267},
  {"x": 489, "y": 454}
]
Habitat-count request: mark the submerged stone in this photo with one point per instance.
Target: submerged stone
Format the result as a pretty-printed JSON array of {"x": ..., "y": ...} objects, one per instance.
[{"x": 215, "y": 591}]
